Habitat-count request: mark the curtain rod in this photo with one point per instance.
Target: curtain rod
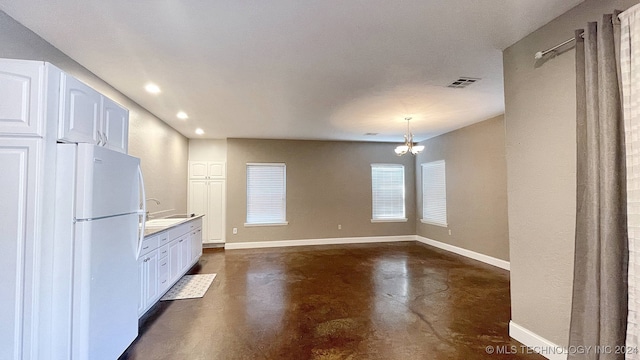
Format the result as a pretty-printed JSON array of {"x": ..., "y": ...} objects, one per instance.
[{"x": 540, "y": 54}]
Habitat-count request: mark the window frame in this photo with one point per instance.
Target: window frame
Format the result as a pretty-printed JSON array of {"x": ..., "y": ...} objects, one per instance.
[
  {"x": 284, "y": 195},
  {"x": 402, "y": 218}
]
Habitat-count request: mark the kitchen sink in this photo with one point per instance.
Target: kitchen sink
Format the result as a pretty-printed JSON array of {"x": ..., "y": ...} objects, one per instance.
[
  {"x": 181, "y": 216},
  {"x": 162, "y": 222}
]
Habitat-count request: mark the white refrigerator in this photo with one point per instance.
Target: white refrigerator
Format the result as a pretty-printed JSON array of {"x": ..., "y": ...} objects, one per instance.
[{"x": 99, "y": 228}]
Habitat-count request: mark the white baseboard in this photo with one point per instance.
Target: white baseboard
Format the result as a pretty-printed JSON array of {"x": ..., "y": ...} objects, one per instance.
[
  {"x": 537, "y": 343},
  {"x": 309, "y": 242},
  {"x": 464, "y": 252}
]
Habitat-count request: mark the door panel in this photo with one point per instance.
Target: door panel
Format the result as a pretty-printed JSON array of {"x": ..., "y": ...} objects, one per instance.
[
  {"x": 20, "y": 86},
  {"x": 105, "y": 295},
  {"x": 198, "y": 200},
  {"x": 115, "y": 125},
  {"x": 198, "y": 169},
  {"x": 151, "y": 268},
  {"x": 80, "y": 120},
  {"x": 18, "y": 161},
  {"x": 174, "y": 261},
  {"x": 107, "y": 182},
  {"x": 215, "y": 218}
]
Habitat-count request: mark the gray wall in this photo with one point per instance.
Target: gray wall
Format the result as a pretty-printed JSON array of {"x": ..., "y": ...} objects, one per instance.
[
  {"x": 208, "y": 150},
  {"x": 541, "y": 174},
  {"x": 162, "y": 150},
  {"x": 476, "y": 180},
  {"x": 328, "y": 183}
]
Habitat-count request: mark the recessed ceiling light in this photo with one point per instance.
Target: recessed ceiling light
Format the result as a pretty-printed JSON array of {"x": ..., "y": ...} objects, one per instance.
[
  {"x": 152, "y": 88},
  {"x": 199, "y": 131},
  {"x": 182, "y": 115}
]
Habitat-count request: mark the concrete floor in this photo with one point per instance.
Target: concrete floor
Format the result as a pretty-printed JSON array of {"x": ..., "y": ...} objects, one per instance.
[{"x": 375, "y": 301}]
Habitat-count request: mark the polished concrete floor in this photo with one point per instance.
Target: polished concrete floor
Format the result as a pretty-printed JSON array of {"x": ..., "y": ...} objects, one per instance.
[{"x": 375, "y": 301}]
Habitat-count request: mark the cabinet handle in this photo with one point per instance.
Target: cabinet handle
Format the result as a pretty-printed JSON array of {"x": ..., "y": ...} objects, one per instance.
[
  {"x": 145, "y": 248},
  {"x": 181, "y": 240},
  {"x": 164, "y": 281}
]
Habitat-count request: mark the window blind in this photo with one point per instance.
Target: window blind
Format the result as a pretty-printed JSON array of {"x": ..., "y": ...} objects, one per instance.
[
  {"x": 434, "y": 193},
  {"x": 387, "y": 183},
  {"x": 266, "y": 193}
]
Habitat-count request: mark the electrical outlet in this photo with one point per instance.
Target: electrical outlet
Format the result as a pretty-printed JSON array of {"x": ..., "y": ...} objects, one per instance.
[
  {"x": 449, "y": 231},
  {"x": 235, "y": 231},
  {"x": 339, "y": 226}
]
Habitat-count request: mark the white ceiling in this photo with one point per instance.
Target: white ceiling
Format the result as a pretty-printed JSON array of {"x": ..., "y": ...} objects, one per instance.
[{"x": 294, "y": 69}]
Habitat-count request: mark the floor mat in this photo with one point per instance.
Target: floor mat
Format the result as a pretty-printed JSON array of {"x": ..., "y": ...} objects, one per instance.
[{"x": 189, "y": 287}]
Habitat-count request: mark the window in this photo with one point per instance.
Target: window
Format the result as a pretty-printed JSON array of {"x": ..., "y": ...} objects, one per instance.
[
  {"x": 434, "y": 193},
  {"x": 266, "y": 194},
  {"x": 387, "y": 183}
]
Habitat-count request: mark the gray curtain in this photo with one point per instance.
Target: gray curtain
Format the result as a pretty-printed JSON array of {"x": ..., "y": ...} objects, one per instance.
[{"x": 599, "y": 308}]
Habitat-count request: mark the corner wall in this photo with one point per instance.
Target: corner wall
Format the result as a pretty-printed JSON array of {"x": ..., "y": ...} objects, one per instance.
[
  {"x": 541, "y": 171},
  {"x": 162, "y": 150},
  {"x": 328, "y": 183},
  {"x": 476, "y": 181}
]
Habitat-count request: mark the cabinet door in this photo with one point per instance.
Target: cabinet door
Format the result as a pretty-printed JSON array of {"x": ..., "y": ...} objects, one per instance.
[
  {"x": 142, "y": 285},
  {"x": 198, "y": 169},
  {"x": 174, "y": 260},
  {"x": 185, "y": 253},
  {"x": 214, "y": 221},
  {"x": 216, "y": 170},
  {"x": 80, "y": 104},
  {"x": 115, "y": 125},
  {"x": 199, "y": 200},
  {"x": 20, "y": 86},
  {"x": 151, "y": 267},
  {"x": 18, "y": 204},
  {"x": 196, "y": 244}
]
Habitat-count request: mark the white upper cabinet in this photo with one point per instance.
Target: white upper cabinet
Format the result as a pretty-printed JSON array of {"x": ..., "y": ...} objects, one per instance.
[
  {"x": 203, "y": 170},
  {"x": 20, "y": 91},
  {"x": 80, "y": 112},
  {"x": 115, "y": 125},
  {"x": 89, "y": 117}
]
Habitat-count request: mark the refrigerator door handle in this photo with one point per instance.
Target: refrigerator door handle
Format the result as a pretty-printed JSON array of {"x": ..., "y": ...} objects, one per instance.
[{"x": 142, "y": 212}]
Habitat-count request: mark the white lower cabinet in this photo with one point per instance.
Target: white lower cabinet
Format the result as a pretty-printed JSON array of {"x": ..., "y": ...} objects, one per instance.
[
  {"x": 164, "y": 258},
  {"x": 174, "y": 260},
  {"x": 196, "y": 243},
  {"x": 148, "y": 275}
]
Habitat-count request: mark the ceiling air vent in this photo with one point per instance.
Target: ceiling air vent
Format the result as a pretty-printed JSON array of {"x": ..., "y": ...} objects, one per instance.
[
  {"x": 463, "y": 82},
  {"x": 371, "y": 134}
]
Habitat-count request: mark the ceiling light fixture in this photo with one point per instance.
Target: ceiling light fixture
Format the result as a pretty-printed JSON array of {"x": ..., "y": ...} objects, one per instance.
[
  {"x": 199, "y": 131},
  {"x": 408, "y": 146},
  {"x": 182, "y": 115},
  {"x": 152, "y": 88}
]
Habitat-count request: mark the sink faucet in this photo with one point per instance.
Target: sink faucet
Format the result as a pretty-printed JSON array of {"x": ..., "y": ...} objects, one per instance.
[
  {"x": 154, "y": 200},
  {"x": 151, "y": 199}
]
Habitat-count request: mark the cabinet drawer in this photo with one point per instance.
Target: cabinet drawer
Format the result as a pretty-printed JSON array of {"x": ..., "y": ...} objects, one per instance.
[
  {"x": 178, "y": 231},
  {"x": 149, "y": 244},
  {"x": 163, "y": 251},
  {"x": 163, "y": 239},
  {"x": 195, "y": 224},
  {"x": 163, "y": 274}
]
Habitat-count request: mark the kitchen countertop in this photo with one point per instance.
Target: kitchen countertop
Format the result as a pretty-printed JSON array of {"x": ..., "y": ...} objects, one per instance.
[{"x": 158, "y": 229}]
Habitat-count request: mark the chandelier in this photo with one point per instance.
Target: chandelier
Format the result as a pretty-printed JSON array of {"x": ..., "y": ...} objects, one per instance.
[{"x": 408, "y": 146}]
